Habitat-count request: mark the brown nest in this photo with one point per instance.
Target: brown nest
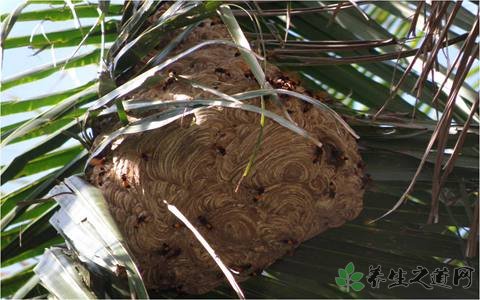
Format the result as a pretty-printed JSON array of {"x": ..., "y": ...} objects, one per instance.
[{"x": 295, "y": 191}]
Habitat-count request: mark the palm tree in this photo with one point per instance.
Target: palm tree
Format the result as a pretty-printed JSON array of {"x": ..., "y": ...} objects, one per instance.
[{"x": 251, "y": 149}]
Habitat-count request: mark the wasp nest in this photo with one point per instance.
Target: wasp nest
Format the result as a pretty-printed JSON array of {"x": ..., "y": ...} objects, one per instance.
[{"x": 295, "y": 190}]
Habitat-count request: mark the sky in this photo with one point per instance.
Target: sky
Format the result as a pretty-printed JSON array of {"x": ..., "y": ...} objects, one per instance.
[{"x": 20, "y": 60}]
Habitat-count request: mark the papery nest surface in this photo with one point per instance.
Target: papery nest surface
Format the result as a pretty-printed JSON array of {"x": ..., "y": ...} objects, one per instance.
[{"x": 294, "y": 191}]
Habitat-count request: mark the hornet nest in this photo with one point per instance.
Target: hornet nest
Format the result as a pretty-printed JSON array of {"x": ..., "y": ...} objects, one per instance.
[{"x": 295, "y": 190}]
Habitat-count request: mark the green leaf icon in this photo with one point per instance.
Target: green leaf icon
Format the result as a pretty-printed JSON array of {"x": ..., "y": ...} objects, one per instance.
[
  {"x": 350, "y": 279},
  {"x": 357, "y": 286},
  {"x": 340, "y": 281},
  {"x": 356, "y": 276},
  {"x": 350, "y": 268}
]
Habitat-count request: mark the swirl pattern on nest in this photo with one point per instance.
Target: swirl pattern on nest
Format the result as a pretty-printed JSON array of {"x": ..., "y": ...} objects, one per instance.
[{"x": 295, "y": 191}]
